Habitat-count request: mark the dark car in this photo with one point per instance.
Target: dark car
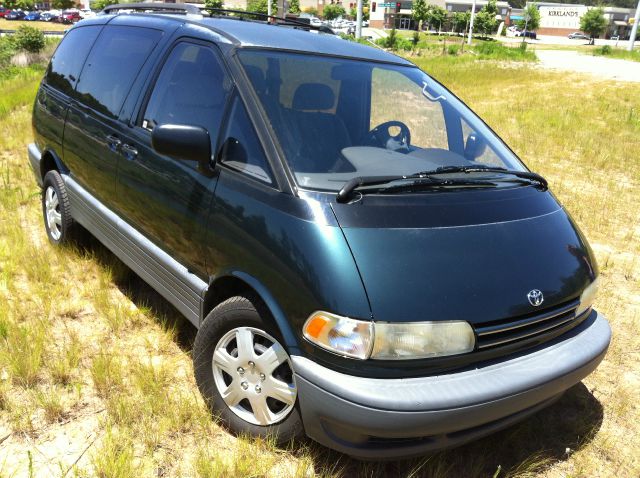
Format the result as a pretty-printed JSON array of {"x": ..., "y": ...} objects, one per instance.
[
  {"x": 365, "y": 261},
  {"x": 32, "y": 16},
  {"x": 15, "y": 15},
  {"x": 527, "y": 34},
  {"x": 48, "y": 17}
]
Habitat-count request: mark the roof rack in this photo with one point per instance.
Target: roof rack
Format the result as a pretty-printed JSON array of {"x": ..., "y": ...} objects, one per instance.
[
  {"x": 287, "y": 20},
  {"x": 171, "y": 8}
]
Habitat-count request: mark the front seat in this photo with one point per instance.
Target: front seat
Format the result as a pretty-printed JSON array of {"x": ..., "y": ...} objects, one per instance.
[{"x": 321, "y": 134}]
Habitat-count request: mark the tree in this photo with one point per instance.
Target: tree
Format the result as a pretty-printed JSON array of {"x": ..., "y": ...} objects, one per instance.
[
  {"x": 313, "y": 11},
  {"x": 593, "y": 23},
  {"x": 214, "y": 4},
  {"x": 333, "y": 11},
  {"x": 460, "y": 21},
  {"x": 530, "y": 18},
  {"x": 64, "y": 4},
  {"x": 419, "y": 11},
  {"x": 100, "y": 4},
  {"x": 261, "y": 6},
  {"x": 436, "y": 16},
  {"x": 485, "y": 21},
  {"x": 294, "y": 6}
]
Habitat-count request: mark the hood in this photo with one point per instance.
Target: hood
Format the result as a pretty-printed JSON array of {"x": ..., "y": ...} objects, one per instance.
[{"x": 471, "y": 255}]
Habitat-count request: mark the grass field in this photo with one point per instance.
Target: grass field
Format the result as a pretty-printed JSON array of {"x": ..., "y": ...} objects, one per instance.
[
  {"x": 46, "y": 26},
  {"x": 95, "y": 372}
]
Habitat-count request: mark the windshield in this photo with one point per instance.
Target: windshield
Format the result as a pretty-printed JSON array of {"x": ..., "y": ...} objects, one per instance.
[{"x": 339, "y": 119}]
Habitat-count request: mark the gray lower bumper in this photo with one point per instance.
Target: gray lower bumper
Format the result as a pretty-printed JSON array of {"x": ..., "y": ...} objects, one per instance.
[
  {"x": 390, "y": 418},
  {"x": 34, "y": 160}
]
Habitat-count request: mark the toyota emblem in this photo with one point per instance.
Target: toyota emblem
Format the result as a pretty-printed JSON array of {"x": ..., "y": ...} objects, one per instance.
[{"x": 535, "y": 297}]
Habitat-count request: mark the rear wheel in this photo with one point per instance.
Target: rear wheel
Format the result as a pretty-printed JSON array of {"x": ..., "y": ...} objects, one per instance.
[
  {"x": 60, "y": 226},
  {"x": 244, "y": 372}
]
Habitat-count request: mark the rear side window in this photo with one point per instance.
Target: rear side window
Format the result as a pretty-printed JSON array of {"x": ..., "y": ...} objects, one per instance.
[
  {"x": 64, "y": 69},
  {"x": 113, "y": 65}
]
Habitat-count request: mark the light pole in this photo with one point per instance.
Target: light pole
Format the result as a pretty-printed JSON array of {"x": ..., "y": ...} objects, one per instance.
[
  {"x": 473, "y": 15},
  {"x": 634, "y": 30},
  {"x": 359, "y": 20}
]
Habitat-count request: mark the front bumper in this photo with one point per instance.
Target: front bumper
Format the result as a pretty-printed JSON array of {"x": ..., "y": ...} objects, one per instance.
[{"x": 390, "y": 418}]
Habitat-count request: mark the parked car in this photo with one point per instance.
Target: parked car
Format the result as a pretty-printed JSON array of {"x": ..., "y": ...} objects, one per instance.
[
  {"x": 15, "y": 15},
  {"x": 578, "y": 36},
  {"x": 69, "y": 16},
  {"x": 49, "y": 16},
  {"x": 32, "y": 16},
  {"x": 526, "y": 34},
  {"x": 4, "y": 12},
  {"x": 366, "y": 262},
  {"x": 86, "y": 13}
]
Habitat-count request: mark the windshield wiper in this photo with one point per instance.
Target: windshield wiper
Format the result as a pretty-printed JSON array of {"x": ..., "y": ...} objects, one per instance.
[
  {"x": 485, "y": 169},
  {"x": 417, "y": 180},
  {"x": 430, "y": 180}
]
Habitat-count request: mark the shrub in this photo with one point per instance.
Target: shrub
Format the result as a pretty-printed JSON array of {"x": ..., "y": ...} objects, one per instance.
[
  {"x": 29, "y": 39},
  {"x": 604, "y": 50},
  {"x": 453, "y": 49}
]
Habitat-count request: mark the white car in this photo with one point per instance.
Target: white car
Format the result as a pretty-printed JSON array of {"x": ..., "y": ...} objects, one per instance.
[{"x": 87, "y": 13}]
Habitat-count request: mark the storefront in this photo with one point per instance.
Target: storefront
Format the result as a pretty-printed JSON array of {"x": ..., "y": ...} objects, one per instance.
[{"x": 561, "y": 19}]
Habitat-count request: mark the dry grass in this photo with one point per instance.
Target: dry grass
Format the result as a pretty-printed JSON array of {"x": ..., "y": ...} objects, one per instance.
[
  {"x": 95, "y": 373},
  {"x": 45, "y": 26}
]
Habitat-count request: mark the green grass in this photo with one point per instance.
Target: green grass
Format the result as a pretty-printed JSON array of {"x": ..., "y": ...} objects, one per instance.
[
  {"x": 92, "y": 356},
  {"x": 620, "y": 53},
  {"x": 448, "y": 45}
]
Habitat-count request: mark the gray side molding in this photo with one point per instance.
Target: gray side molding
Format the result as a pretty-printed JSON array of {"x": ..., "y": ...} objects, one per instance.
[{"x": 167, "y": 276}]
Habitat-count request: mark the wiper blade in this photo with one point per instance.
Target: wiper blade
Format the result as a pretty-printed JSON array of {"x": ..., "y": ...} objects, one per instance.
[
  {"x": 484, "y": 169},
  {"x": 422, "y": 180},
  {"x": 417, "y": 184}
]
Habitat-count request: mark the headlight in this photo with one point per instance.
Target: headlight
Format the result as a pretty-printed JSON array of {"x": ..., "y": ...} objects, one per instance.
[
  {"x": 388, "y": 341},
  {"x": 587, "y": 297},
  {"x": 422, "y": 339},
  {"x": 341, "y": 335}
]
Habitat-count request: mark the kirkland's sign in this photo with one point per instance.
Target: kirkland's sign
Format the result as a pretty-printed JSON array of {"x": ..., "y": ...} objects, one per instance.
[
  {"x": 563, "y": 17},
  {"x": 563, "y": 13}
]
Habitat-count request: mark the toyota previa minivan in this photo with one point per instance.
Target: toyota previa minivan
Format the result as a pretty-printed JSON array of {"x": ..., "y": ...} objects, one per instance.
[{"x": 365, "y": 261}]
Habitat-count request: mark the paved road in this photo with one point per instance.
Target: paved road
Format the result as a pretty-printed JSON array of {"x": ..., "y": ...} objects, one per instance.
[{"x": 606, "y": 68}]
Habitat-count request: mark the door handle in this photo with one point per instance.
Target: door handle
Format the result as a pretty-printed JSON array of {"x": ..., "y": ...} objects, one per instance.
[
  {"x": 129, "y": 152},
  {"x": 113, "y": 142}
]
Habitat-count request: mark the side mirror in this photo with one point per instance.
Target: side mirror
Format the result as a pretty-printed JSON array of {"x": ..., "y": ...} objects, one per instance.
[
  {"x": 184, "y": 142},
  {"x": 475, "y": 147},
  {"x": 232, "y": 150}
]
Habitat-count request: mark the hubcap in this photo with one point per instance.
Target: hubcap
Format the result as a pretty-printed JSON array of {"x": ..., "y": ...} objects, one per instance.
[
  {"x": 52, "y": 213},
  {"x": 254, "y": 377}
]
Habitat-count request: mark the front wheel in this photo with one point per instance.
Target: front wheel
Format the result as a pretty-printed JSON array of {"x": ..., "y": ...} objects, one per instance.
[{"x": 245, "y": 374}]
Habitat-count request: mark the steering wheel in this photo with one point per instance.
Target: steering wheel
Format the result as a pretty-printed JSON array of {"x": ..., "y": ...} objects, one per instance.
[{"x": 380, "y": 136}]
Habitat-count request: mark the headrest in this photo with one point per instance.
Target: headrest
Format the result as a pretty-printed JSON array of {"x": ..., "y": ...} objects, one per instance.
[{"x": 313, "y": 96}]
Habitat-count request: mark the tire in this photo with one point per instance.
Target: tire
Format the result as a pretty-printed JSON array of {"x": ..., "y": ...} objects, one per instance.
[
  {"x": 243, "y": 386},
  {"x": 56, "y": 211}
]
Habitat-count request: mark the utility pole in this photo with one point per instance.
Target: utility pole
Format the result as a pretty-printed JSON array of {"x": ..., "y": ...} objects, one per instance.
[
  {"x": 359, "y": 20},
  {"x": 634, "y": 30},
  {"x": 269, "y": 12},
  {"x": 473, "y": 15}
]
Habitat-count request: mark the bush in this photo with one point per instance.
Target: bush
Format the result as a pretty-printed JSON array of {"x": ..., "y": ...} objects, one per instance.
[
  {"x": 497, "y": 51},
  {"x": 453, "y": 50},
  {"x": 29, "y": 39},
  {"x": 604, "y": 50}
]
